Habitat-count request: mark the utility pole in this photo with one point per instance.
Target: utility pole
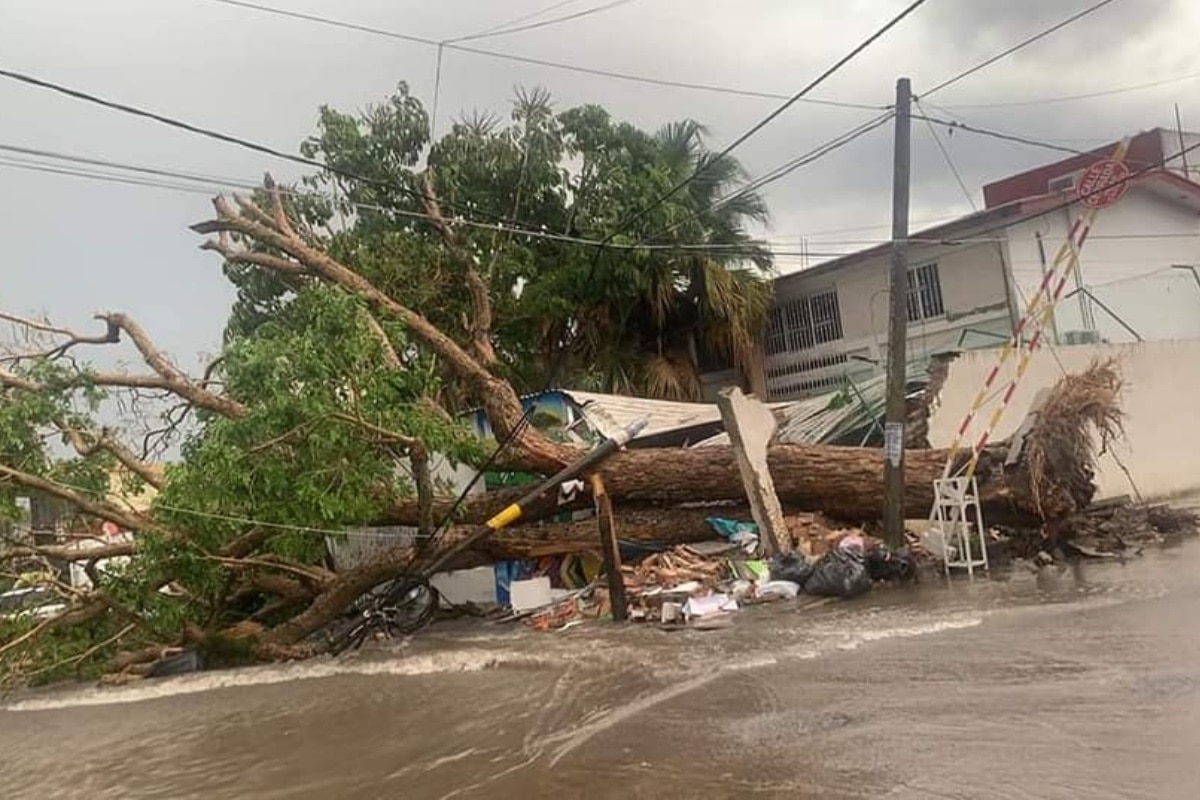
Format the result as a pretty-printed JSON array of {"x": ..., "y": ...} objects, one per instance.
[{"x": 893, "y": 429}]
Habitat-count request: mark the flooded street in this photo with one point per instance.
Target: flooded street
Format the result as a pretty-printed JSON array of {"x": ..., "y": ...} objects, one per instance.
[{"x": 1078, "y": 686}]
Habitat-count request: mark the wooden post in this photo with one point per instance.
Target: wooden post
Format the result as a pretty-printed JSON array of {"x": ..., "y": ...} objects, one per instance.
[
  {"x": 893, "y": 429},
  {"x": 608, "y": 545}
]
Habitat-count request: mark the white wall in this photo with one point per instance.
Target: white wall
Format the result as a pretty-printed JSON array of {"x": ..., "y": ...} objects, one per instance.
[
  {"x": 1132, "y": 276},
  {"x": 1162, "y": 447}
]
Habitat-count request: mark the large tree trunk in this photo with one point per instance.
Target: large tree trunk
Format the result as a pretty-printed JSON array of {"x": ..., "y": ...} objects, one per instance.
[{"x": 843, "y": 482}]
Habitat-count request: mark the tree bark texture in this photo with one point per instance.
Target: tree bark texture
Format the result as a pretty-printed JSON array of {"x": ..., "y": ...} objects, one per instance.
[{"x": 843, "y": 482}]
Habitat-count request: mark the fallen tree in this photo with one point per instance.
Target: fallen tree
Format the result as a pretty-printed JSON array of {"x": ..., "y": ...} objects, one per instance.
[{"x": 324, "y": 413}]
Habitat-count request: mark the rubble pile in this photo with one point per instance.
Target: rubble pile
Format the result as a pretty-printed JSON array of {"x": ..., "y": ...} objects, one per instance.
[{"x": 1108, "y": 529}]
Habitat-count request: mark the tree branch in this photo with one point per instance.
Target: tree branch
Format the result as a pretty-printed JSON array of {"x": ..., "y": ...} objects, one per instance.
[
  {"x": 495, "y": 394},
  {"x": 390, "y": 356},
  {"x": 110, "y": 336},
  {"x": 96, "y": 508},
  {"x": 173, "y": 378},
  {"x": 69, "y": 553},
  {"x": 103, "y": 441},
  {"x": 480, "y": 327}
]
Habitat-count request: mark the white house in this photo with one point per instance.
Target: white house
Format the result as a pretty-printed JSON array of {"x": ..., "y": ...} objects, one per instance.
[{"x": 969, "y": 279}]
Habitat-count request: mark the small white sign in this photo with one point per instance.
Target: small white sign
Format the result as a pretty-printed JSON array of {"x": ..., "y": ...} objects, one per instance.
[{"x": 893, "y": 442}]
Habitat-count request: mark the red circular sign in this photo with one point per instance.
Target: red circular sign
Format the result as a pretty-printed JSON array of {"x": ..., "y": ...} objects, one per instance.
[{"x": 1103, "y": 183}]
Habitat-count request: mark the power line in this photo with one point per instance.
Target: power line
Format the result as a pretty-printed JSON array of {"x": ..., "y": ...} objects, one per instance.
[
  {"x": 526, "y": 17},
  {"x": 788, "y": 168},
  {"x": 767, "y": 120},
  {"x": 778, "y": 247},
  {"x": 1085, "y": 96},
  {"x": 159, "y": 171},
  {"x": 1132, "y": 176},
  {"x": 205, "y": 184},
  {"x": 34, "y": 166},
  {"x": 531, "y": 61},
  {"x": 949, "y": 161},
  {"x": 587, "y": 12},
  {"x": 1018, "y": 46},
  {"x": 782, "y": 171},
  {"x": 1008, "y": 137}
]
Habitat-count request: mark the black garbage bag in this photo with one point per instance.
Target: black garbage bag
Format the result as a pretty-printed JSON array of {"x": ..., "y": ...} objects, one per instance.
[
  {"x": 886, "y": 564},
  {"x": 838, "y": 573},
  {"x": 792, "y": 567}
]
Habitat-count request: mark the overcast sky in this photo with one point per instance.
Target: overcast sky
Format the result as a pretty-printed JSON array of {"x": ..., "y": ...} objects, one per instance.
[{"x": 72, "y": 247}]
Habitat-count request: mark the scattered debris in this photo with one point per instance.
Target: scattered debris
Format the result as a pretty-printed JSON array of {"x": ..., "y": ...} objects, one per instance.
[
  {"x": 1105, "y": 530},
  {"x": 839, "y": 573},
  {"x": 530, "y": 594}
]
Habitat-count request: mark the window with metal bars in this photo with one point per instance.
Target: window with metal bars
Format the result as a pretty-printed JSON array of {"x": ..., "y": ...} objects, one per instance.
[
  {"x": 804, "y": 322},
  {"x": 924, "y": 293}
]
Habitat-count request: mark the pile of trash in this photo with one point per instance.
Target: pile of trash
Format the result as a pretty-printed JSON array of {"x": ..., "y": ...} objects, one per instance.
[{"x": 700, "y": 585}]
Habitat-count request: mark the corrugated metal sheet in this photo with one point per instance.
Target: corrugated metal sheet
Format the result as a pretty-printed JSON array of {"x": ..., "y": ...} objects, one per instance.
[
  {"x": 609, "y": 413},
  {"x": 842, "y": 417}
]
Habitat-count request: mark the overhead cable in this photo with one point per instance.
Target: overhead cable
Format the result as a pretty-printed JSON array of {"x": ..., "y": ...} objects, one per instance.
[
  {"x": 532, "y": 61},
  {"x": 1018, "y": 46}
]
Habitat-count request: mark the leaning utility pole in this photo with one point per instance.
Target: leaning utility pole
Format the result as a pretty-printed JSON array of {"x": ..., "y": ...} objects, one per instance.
[{"x": 893, "y": 439}]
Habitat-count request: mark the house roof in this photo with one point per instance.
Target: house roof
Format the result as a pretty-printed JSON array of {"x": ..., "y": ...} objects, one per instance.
[
  {"x": 1145, "y": 151},
  {"x": 945, "y": 231},
  {"x": 609, "y": 413},
  {"x": 1162, "y": 183}
]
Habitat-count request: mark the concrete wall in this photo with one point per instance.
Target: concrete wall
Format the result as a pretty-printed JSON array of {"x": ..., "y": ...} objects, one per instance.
[
  {"x": 1132, "y": 275},
  {"x": 1162, "y": 447}
]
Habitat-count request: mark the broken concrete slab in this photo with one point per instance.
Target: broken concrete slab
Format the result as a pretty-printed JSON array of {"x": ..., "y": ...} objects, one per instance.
[{"x": 751, "y": 425}]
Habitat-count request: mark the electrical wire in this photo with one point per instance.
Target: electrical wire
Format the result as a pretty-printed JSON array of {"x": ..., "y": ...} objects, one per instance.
[
  {"x": 527, "y": 17},
  {"x": 207, "y": 183},
  {"x": 1008, "y": 137},
  {"x": 949, "y": 161},
  {"x": 767, "y": 120},
  {"x": 1085, "y": 96},
  {"x": 782, "y": 171},
  {"x": 538, "y": 62},
  {"x": 587, "y": 12},
  {"x": 1018, "y": 46},
  {"x": 777, "y": 248}
]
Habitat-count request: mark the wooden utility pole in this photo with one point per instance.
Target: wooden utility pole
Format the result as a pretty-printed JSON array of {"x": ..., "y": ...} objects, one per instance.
[
  {"x": 610, "y": 549},
  {"x": 893, "y": 466}
]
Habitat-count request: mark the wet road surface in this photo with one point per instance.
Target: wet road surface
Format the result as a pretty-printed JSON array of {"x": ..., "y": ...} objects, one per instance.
[{"x": 1072, "y": 686}]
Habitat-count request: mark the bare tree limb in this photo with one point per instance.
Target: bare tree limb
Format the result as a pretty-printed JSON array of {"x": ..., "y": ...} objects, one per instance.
[
  {"x": 174, "y": 379},
  {"x": 69, "y": 553},
  {"x": 97, "y": 508},
  {"x": 390, "y": 356},
  {"x": 480, "y": 326},
  {"x": 111, "y": 336},
  {"x": 503, "y": 408},
  {"x": 104, "y": 441}
]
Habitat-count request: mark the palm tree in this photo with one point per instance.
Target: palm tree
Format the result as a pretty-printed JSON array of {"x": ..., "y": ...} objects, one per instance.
[{"x": 700, "y": 306}]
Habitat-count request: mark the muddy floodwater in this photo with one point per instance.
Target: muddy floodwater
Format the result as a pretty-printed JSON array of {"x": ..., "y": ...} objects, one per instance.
[{"x": 1080, "y": 685}]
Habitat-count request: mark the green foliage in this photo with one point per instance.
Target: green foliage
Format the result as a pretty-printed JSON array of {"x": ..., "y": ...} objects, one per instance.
[
  {"x": 322, "y": 442},
  {"x": 645, "y": 322},
  {"x": 299, "y": 457}
]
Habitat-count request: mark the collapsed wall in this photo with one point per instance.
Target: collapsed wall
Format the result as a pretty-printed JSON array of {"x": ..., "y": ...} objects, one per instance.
[{"x": 1161, "y": 446}]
